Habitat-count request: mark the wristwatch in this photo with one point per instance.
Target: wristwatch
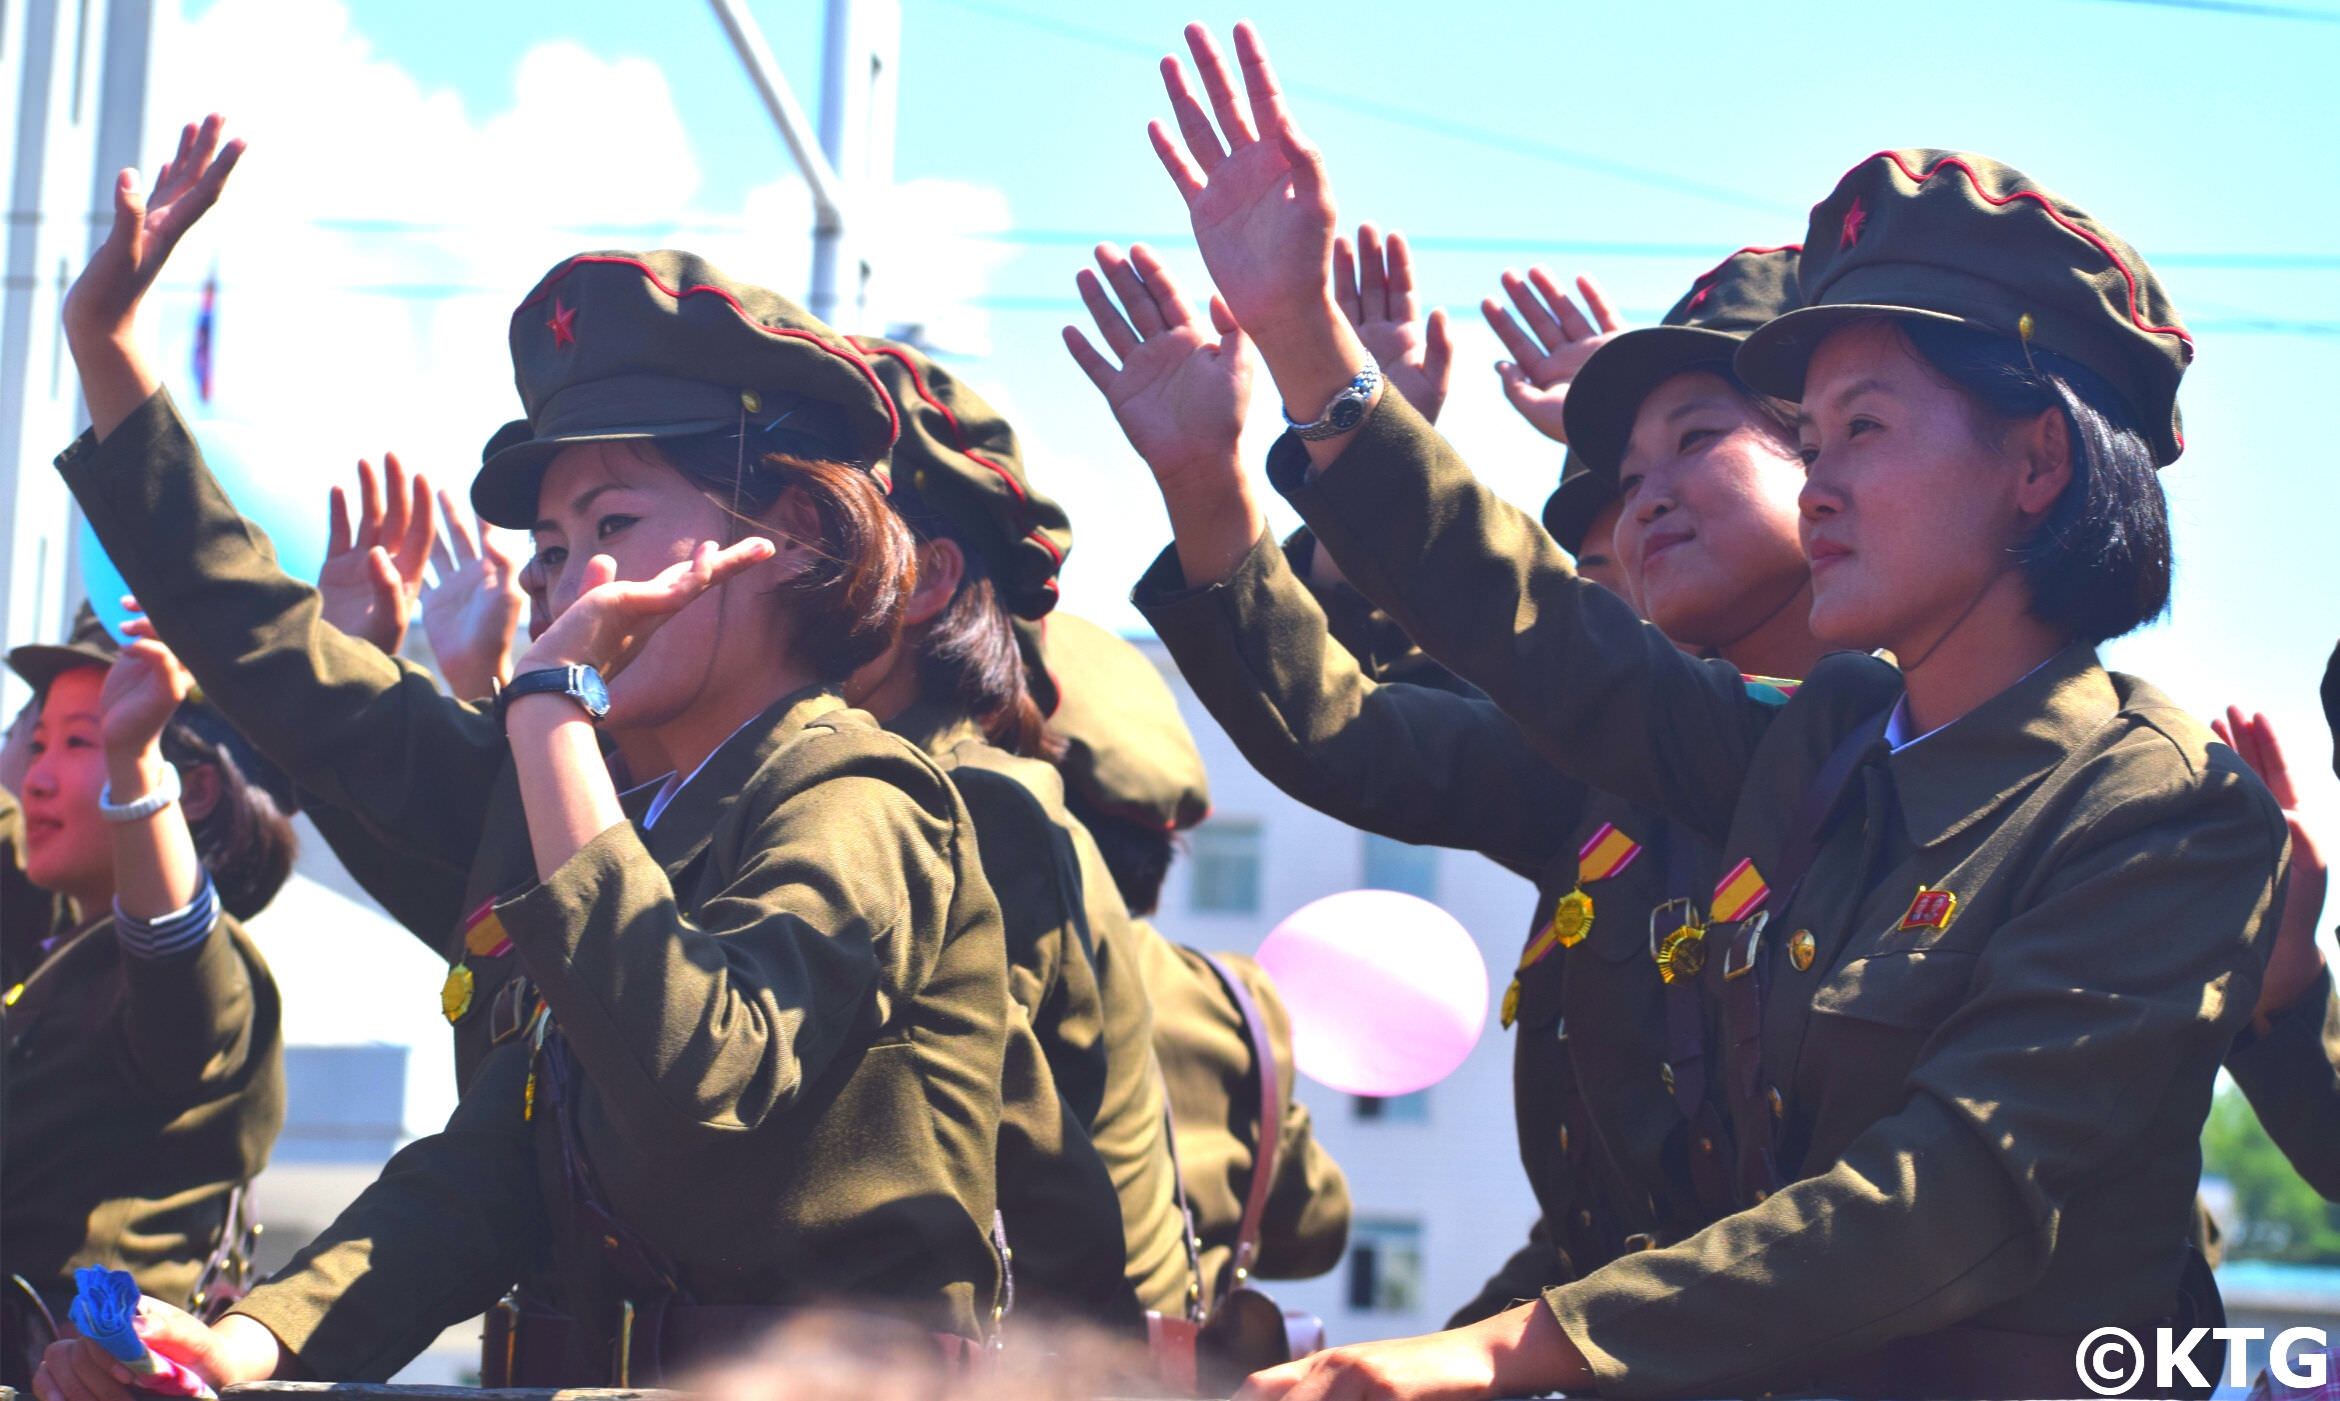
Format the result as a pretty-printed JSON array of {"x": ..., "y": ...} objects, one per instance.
[
  {"x": 1347, "y": 409},
  {"x": 579, "y": 683}
]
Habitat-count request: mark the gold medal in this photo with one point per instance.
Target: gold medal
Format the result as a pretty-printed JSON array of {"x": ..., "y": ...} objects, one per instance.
[
  {"x": 455, "y": 993},
  {"x": 1682, "y": 953},
  {"x": 1572, "y": 918},
  {"x": 1801, "y": 949},
  {"x": 1511, "y": 1004}
]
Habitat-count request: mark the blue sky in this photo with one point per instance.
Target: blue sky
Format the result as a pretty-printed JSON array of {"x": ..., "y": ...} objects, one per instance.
[{"x": 1497, "y": 134}]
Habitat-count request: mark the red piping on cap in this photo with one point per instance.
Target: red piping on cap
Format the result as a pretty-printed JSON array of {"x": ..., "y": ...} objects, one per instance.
[
  {"x": 1726, "y": 262},
  {"x": 2136, "y": 314},
  {"x": 544, "y": 289},
  {"x": 959, "y": 440}
]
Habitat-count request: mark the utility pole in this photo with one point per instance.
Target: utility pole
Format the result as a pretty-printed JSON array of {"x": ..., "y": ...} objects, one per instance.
[{"x": 853, "y": 155}]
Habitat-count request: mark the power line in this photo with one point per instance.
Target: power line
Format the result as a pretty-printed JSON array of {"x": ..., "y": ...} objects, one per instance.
[{"x": 1430, "y": 122}]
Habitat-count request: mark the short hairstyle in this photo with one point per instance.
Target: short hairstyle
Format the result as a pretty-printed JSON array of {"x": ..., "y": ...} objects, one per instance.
[
  {"x": 865, "y": 565},
  {"x": 2099, "y": 565},
  {"x": 1137, "y": 853},
  {"x": 968, "y": 653},
  {"x": 245, "y": 841}
]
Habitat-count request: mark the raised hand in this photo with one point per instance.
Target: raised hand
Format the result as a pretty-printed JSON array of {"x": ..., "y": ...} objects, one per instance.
[
  {"x": 1558, "y": 340},
  {"x": 1254, "y": 188},
  {"x": 473, "y": 612},
  {"x": 2295, "y": 960},
  {"x": 612, "y": 617},
  {"x": 373, "y": 569},
  {"x": 104, "y": 300},
  {"x": 1179, "y": 394},
  {"x": 1182, "y": 388},
  {"x": 142, "y": 689},
  {"x": 1373, "y": 282}
]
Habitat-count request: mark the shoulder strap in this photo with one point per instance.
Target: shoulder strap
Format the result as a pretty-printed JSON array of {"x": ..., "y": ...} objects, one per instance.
[{"x": 1271, "y": 1119}]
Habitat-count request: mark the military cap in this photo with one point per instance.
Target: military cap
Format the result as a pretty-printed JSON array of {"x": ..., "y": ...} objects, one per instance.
[
  {"x": 958, "y": 458},
  {"x": 89, "y": 644},
  {"x": 1127, "y": 749},
  {"x": 1946, "y": 236},
  {"x": 1579, "y": 499},
  {"x": 1702, "y": 330},
  {"x": 619, "y": 347}
]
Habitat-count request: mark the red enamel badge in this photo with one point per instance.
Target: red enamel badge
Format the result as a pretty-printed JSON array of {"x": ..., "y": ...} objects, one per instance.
[
  {"x": 1854, "y": 218},
  {"x": 1932, "y": 909},
  {"x": 563, "y": 325}
]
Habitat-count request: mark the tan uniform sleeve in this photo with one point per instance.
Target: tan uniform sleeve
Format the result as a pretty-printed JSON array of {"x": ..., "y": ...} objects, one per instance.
[
  {"x": 1484, "y": 590},
  {"x": 717, "y": 1018},
  {"x": 452, "y": 1222},
  {"x": 1408, "y": 762},
  {"x": 423, "y": 893},
  {"x": 187, "y": 1016},
  {"x": 2291, "y": 1075},
  {"x": 362, "y": 730},
  {"x": 2073, "y": 1034}
]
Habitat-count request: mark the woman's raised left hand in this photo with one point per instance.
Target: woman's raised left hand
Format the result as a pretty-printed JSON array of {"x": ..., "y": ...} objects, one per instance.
[
  {"x": 143, "y": 687},
  {"x": 607, "y": 625}
]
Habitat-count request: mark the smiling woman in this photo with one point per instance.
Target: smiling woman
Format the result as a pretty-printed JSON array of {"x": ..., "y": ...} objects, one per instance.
[{"x": 776, "y": 975}]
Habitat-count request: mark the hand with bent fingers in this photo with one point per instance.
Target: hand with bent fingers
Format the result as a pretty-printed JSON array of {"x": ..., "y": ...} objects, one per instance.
[
  {"x": 473, "y": 613},
  {"x": 229, "y": 1353},
  {"x": 1373, "y": 283},
  {"x": 2294, "y": 962},
  {"x": 1180, "y": 395},
  {"x": 373, "y": 568},
  {"x": 104, "y": 300},
  {"x": 612, "y": 617},
  {"x": 1548, "y": 354}
]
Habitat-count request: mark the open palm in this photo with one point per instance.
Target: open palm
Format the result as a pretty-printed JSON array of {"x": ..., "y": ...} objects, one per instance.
[
  {"x": 1181, "y": 391},
  {"x": 146, "y": 228},
  {"x": 1255, "y": 190},
  {"x": 472, "y": 614}
]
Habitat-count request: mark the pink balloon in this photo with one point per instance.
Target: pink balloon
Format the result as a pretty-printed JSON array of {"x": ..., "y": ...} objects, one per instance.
[{"x": 1388, "y": 992}]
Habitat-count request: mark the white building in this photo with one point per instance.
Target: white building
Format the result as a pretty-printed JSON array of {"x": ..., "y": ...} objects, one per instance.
[{"x": 1439, "y": 1194}]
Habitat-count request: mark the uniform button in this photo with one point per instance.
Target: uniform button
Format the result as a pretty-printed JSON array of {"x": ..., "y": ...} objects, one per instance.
[
  {"x": 1801, "y": 949},
  {"x": 1761, "y": 1196},
  {"x": 1778, "y": 1105},
  {"x": 1584, "y": 1219},
  {"x": 1563, "y": 1138},
  {"x": 1666, "y": 1077},
  {"x": 1705, "y": 1144}
]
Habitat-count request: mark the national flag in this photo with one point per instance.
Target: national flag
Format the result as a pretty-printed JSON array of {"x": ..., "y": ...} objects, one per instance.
[{"x": 203, "y": 326}]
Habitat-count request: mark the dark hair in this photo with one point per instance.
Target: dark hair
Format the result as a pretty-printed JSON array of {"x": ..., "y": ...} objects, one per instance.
[
  {"x": 245, "y": 840},
  {"x": 2099, "y": 564},
  {"x": 969, "y": 652},
  {"x": 1136, "y": 853},
  {"x": 850, "y": 602},
  {"x": 1777, "y": 415}
]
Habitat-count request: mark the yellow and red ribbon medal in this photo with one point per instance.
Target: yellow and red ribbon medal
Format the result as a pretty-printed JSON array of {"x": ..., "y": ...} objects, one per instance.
[
  {"x": 1739, "y": 893},
  {"x": 455, "y": 993},
  {"x": 1605, "y": 853},
  {"x": 483, "y": 932},
  {"x": 1682, "y": 953}
]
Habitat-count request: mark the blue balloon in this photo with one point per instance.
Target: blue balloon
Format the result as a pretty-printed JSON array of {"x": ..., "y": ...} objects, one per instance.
[{"x": 266, "y": 483}]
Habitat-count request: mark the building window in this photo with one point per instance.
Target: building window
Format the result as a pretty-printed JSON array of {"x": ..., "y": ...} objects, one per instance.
[
  {"x": 1400, "y": 866},
  {"x": 1385, "y": 1266},
  {"x": 1224, "y": 868},
  {"x": 1401, "y": 1109}
]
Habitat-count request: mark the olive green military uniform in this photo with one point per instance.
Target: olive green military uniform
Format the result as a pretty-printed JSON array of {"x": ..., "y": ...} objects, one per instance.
[
  {"x": 143, "y": 1088},
  {"x": 1966, "y": 1131},
  {"x": 2290, "y": 1072},
  {"x": 1619, "y": 1143},
  {"x": 1068, "y": 937},
  {"x": 818, "y": 1074},
  {"x": 1128, "y": 753}
]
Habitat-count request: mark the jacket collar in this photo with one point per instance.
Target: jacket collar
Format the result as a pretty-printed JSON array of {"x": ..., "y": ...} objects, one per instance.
[
  {"x": 935, "y": 726},
  {"x": 1973, "y": 766},
  {"x": 692, "y": 815}
]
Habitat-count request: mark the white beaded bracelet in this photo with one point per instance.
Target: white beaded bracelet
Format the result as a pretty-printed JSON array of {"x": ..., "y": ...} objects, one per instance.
[{"x": 139, "y": 809}]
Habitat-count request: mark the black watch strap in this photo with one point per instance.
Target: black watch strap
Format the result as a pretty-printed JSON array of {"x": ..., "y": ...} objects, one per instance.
[{"x": 552, "y": 680}]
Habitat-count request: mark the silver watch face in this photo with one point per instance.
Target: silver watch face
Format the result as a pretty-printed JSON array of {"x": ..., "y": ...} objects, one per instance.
[
  {"x": 1347, "y": 412},
  {"x": 592, "y": 692}
]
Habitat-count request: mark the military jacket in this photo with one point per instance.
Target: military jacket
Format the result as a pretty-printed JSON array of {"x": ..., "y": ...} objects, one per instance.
[
  {"x": 141, "y": 1092},
  {"x": 1071, "y": 968},
  {"x": 1989, "y": 1106},
  {"x": 790, "y": 1060},
  {"x": 1606, "y": 1145},
  {"x": 1207, "y": 1064},
  {"x": 867, "y": 888},
  {"x": 2291, "y": 1074}
]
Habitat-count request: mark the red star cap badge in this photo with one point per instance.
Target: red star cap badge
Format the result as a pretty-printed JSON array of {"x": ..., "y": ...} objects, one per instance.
[
  {"x": 1854, "y": 217},
  {"x": 563, "y": 325},
  {"x": 1698, "y": 298}
]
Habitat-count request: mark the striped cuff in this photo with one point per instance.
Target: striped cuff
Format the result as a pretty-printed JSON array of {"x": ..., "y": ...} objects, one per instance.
[{"x": 176, "y": 932}]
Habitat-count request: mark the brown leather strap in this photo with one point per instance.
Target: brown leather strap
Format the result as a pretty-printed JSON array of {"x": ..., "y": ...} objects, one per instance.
[{"x": 1271, "y": 1125}]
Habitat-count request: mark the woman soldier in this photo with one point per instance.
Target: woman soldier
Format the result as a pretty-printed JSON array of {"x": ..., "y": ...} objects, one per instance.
[
  {"x": 1967, "y": 1060},
  {"x": 759, "y": 1064},
  {"x": 965, "y": 683},
  {"x": 1609, "y": 1071},
  {"x": 145, "y": 1064}
]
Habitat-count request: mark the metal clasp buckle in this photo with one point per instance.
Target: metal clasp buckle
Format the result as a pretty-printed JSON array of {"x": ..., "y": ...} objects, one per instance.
[
  {"x": 1739, "y": 956},
  {"x": 625, "y": 1343}
]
